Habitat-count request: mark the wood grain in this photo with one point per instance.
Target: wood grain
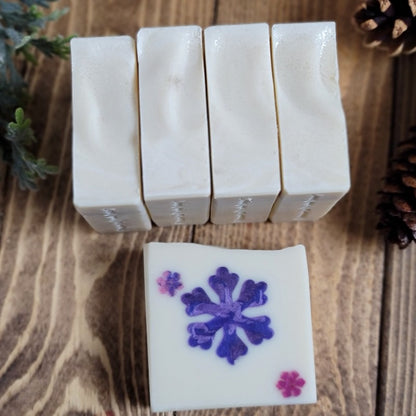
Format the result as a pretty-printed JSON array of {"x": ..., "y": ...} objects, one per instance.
[
  {"x": 397, "y": 381},
  {"x": 345, "y": 254},
  {"x": 72, "y": 314},
  {"x": 72, "y": 325}
]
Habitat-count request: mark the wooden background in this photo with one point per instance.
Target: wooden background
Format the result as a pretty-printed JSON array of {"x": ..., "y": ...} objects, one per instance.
[{"x": 72, "y": 324}]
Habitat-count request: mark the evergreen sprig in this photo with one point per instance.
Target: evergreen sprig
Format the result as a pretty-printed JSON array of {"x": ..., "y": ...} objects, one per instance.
[
  {"x": 24, "y": 165},
  {"x": 20, "y": 25}
]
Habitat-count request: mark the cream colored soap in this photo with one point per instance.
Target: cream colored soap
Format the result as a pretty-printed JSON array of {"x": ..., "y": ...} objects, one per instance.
[
  {"x": 106, "y": 163},
  {"x": 313, "y": 136},
  {"x": 243, "y": 127},
  {"x": 174, "y": 126},
  {"x": 227, "y": 328}
]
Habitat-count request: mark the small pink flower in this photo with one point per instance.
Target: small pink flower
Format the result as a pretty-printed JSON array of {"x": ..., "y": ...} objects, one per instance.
[
  {"x": 169, "y": 282},
  {"x": 290, "y": 383}
]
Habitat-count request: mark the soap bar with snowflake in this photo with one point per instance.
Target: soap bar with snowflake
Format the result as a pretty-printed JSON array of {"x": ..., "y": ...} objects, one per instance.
[{"x": 227, "y": 328}]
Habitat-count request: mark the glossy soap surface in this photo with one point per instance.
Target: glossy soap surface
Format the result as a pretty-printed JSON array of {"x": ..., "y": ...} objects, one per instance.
[
  {"x": 313, "y": 137},
  {"x": 106, "y": 163},
  {"x": 227, "y": 328},
  {"x": 174, "y": 125},
  {"x": 243, "y": 127}
]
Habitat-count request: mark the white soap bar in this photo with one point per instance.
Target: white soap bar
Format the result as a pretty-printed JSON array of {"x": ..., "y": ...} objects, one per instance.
[
  {"x": 243, "y": 128},
  {"x": 106, "y": 164},
  {"x": 174, "y": 126},
  {"x": 227, "y": 328},
  {"x": 313, "y": 137}
]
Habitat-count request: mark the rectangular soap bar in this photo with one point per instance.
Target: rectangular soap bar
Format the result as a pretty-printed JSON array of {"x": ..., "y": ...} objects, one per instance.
[
  {"x": 243, "y": 127},
  {"x": 174, "y": 126},
  {"x": 227, "y": 328},
  {"x": 313, "y": 136},
  {"x": 106, "y": 164}
]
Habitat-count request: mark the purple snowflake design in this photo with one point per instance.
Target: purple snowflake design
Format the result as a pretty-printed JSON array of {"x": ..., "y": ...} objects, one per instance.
[
  {"x": 290, "y": 384},
  {"x": 169, "y": 283},
  {"x": 227, "y": 315}
]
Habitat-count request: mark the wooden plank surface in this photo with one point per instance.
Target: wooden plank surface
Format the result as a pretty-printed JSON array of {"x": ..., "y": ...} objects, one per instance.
[
  {"x": 397, "y": 382},
  {"x": 72, "y": 325}
]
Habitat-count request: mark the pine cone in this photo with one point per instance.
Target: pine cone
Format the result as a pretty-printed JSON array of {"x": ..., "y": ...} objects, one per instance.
[
  {"x": 388, "y": 24},
  {"x": 397, "y": 207}
]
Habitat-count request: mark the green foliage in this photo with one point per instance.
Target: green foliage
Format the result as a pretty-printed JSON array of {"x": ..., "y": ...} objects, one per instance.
[
  {"x": 24, "y": 165},
  {"x": 20, "y": 25}
]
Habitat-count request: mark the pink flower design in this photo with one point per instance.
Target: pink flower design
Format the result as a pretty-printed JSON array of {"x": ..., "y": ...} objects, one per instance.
[
  {"x": 290, "y": 384},
  {"x": 169, "y": 282}
]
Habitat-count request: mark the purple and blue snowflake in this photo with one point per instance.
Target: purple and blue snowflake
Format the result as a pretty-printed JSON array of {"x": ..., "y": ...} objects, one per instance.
[
  {"x": 169, "y": 283},
  {"x": 228, "y": 315}
]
